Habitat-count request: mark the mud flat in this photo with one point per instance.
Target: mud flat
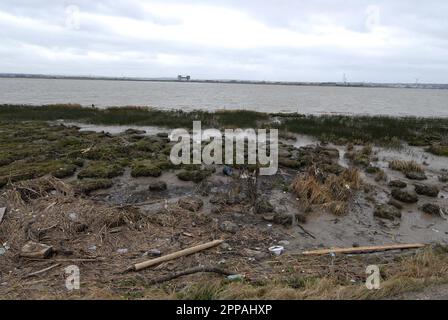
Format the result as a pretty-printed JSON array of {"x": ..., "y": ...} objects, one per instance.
[{"x": 107, "y": 197}]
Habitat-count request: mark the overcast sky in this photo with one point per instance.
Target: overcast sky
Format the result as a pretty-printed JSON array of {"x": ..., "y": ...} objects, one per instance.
[{"x": 319, "y": 40}]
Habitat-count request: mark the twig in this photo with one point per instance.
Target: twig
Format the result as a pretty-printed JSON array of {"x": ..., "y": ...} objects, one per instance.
[
  {"x": 307, "y": 232},
  {"x": 139, "y": 204},
  {"x": 188, "y": 272},
  {"x": 42, "y": 271}
]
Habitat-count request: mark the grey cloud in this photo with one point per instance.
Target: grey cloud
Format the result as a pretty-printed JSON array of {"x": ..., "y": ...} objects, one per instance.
[{"x": 416, "y": 45}]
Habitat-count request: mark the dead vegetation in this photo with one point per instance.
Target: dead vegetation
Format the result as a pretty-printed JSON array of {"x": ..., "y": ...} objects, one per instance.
[
  {"x": 405, "y": 166},
  {"x": 332, "y": 192}
]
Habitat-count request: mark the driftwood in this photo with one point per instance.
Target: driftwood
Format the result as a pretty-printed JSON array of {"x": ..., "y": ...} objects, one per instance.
[
  {"x": 364, "y": 249},
  {"x": 175, "y": 255},
  {"x": 188, "y": 272}
]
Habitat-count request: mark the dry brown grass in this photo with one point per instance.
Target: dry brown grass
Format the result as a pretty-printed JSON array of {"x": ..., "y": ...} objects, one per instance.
[
  {"x": 332, "y": 192},
  {"x": 405, "y": 166},
  {"x": 410, "y": 273}
]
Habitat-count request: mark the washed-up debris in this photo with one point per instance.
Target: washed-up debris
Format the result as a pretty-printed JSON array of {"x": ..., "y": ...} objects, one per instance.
[
  {"x": 364, "y": 249},
  {"x": 235, "y": 277},
  {"x": 227, "y": 170},
  {"x": 122, "y": 251},
  {"x": 153, "y": 253},
  {"x": 36, "y": 250},
  {"x": 175, "y": 255},
  {"x": 43, "y": 270},
  {"x": 276, "y": 250},
  {"x": 191, "y": 271},
  {"x": 2, "y": 213}
]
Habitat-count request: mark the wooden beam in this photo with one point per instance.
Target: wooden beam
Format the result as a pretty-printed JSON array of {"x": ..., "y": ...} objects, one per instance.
[
  {"x": 175, "y": 255},
  {"x": 364, "y": 249}
]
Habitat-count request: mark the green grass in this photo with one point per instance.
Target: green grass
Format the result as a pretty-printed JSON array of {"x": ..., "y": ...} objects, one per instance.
[
  {"x": 131, "y": 115},
  {"x": 369, "y": 129},
  {"x": 336, "y": 128}
]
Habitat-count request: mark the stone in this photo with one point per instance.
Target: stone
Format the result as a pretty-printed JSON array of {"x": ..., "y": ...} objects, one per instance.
[
  {"x": 228, "y": 226},
  {"x": 36, "y": 250},
  {"x": 416, "y": 176},
  {"x": 268, "y": 217},
  {"x": 385, "y": 211},
  {"x": 431, "y": 208},
  {"x": 426, "y": 190},
  {"x": 397, "y": 184},
  {"x": 263, "y": 206},
  {"x": 404, "y": 196},
  {"x": 158, "y": 186},
  {"x": 191, "y": 203}
]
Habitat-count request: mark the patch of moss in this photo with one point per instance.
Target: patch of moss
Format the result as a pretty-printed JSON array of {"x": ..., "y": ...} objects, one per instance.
[
  {"x": 25, "y": 170},
  {"x": 101, "y": 170},
  {"x": 64, "y": 171},
  {"x": 110, "y": 151},
  {"x": 143, "y": 169},
  {"x": 148, "y": 145},
  {"x": 194, "y": 175}
]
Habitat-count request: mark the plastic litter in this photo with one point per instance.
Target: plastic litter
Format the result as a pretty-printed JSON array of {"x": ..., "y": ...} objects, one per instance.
[
  {"x": 227, "y": 171},
  {"x": 276, "y": 250}
]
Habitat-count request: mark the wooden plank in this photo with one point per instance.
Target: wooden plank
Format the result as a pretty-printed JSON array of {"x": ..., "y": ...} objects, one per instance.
[
  {"x": 175, "y": 255},
  {"x": 364, "y": 249}
]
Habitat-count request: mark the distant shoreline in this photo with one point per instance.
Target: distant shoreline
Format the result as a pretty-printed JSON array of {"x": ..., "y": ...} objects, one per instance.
[{"x": 253, "y": 82}]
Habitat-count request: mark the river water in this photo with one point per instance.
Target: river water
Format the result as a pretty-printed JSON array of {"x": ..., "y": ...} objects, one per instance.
[{"x": 214, "y": 96}]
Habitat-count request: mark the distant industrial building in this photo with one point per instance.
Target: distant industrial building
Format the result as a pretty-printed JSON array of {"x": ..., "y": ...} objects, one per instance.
[{"x": 183, "y": 78}]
